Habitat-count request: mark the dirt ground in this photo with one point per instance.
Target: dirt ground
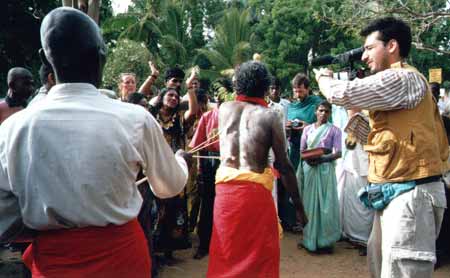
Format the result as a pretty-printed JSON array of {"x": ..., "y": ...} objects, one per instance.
[{"x": 344, "y": 262}]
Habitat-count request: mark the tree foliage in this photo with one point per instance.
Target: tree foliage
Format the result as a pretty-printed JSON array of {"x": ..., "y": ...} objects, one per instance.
[
  {"x": 231, "y": 44},
  {"x": 218, "y": 34},
  {"x": 429, "y": 18},
  {"x": 287, "y": 33},
  {"x": 19, "y": 35},
  {"x": 20, "y": 23},
  {"x": 126, "y": 57}
]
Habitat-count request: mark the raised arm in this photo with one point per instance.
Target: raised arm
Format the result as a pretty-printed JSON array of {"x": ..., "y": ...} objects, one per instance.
[
  {"x": 146, "y": 87},
  {"x": 192, "y": 98},
  {"x": 387, "y": 90}
]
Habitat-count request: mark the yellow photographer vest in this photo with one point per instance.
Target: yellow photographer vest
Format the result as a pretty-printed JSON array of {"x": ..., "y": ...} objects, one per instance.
[{"x": 407, "y": 144}]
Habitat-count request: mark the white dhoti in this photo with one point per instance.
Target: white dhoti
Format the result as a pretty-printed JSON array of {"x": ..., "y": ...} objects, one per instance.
[{"x": 355, "y": 218}]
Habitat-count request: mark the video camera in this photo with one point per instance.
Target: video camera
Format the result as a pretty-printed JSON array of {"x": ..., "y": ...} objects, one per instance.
[{"x": 343, "y": 58}]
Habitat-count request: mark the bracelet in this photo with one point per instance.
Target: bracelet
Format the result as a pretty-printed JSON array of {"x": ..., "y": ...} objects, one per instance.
[{"x": 154, "y": 76}]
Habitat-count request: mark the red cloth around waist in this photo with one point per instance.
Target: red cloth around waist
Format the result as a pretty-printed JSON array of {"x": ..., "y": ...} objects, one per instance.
[
  {"x": 245, "y": 239},
  {"x": 113, "y": 251}
]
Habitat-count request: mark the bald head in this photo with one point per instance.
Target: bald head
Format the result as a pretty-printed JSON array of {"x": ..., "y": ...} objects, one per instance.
[
  {"x": 18, "y": 73},
  {"x": 20, "y": 83},
  {"x": 73, "y": 46}
]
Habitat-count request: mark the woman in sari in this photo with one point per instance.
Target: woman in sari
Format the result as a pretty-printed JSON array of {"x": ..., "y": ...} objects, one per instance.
[
  {"x": 299, "y": 114},
  {"x": 320, "y": 189},
  {"x": 171, "y": 227}
]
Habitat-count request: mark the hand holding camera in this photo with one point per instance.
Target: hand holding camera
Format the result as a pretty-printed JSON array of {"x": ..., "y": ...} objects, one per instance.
[{"x": 295, "y": 124}]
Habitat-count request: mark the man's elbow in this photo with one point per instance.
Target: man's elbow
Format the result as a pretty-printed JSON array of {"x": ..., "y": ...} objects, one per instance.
[{"x": 172, "y": 189}]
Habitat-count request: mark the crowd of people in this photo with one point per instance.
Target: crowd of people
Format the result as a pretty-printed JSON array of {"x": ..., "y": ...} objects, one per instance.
[{"x": 99, "y": 184}]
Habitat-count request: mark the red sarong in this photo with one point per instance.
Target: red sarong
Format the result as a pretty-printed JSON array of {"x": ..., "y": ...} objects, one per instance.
[
  {"x": 245, "y": 240},
  {"x": 98, "y": 252}
]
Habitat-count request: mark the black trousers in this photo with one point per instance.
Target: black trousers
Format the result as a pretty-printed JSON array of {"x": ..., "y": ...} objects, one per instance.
[
  {"x": 207, "y": 192},
  {"x": 443, "y": 241}
]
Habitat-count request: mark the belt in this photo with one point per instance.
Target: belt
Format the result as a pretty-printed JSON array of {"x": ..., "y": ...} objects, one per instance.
[{"x": 428, "y": 179}]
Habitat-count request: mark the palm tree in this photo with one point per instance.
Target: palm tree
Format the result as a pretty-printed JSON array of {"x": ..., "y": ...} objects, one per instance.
[
  {"x": 162, "y": 26},
  {"x": 231, "y": 43}
]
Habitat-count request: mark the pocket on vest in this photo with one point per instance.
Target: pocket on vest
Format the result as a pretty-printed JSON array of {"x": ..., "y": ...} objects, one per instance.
[{"x": 391, "y": 157}]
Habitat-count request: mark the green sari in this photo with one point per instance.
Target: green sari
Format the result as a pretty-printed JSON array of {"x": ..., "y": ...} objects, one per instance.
[
  {"x": 305, "y": 111},
  {"x": 319, "y": 194}
]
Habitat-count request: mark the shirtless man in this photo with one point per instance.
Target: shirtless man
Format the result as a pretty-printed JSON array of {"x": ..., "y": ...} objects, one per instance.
[
  {"x": 245, "y": 239},
  {"x": 20, "y": 88}
]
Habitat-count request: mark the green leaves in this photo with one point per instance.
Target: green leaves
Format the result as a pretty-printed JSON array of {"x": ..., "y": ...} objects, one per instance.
[
  {"x": 231, "y": 44},
  {"x": 126, "y": 56}
]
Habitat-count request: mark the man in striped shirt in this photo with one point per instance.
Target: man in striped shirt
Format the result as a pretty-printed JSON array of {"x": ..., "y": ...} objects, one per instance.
[{"x": 407, "y": 150}]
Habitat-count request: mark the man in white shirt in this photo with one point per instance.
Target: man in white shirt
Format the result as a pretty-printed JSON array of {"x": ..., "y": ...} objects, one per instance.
[
  {"x": 275, "y": 95},
  {"x": 68, "y": 167}
]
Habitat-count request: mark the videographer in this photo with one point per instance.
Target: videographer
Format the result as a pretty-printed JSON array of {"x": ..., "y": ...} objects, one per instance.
[{"x": 407, "y": 150}]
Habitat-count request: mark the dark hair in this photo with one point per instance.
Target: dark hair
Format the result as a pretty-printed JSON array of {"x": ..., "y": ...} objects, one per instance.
[
  {"x": 224, "y": 82},
  {"x": 202, "y": 96},
  {"x": 324, "y": 103},
  {"x": 44, "y": 71},
  {"x": 299, "y": 79},
  {"x": 66, "y": 30},
  {"x": 16, "y": 73},
  {"x": 252, "y": 79},
  {"x": 160, "y": 102},
  {"x": 435, "y": 88},
  {"x": 391, "y": 28},
  {"x": 275, "y": 82},
  {"x": 174, "y": 72},
  {"x": 135, "y": 98}
]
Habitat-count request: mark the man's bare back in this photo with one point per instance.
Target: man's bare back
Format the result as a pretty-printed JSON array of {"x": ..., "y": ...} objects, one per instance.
[
  {"x": 247, "y": 132},
  {"x": 246, "y": 135},
  {"x": 6, "y": 111}
]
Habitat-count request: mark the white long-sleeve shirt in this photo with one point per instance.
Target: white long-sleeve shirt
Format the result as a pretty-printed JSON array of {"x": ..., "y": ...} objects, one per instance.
[
  {"x": 390, "y": 89},
  {"x": 72, "y": 159}
]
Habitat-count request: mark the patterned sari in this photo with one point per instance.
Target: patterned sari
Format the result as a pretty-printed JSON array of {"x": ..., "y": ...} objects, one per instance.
[{"x": 170, "y": 216}]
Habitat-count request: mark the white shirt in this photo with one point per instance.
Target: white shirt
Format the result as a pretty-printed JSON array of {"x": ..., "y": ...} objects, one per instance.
[
  {"x": 389, "y": 89},
  {"x": 42, "y": 93},
  {"x": 72, "y": 161},
  {"x": 279, "y": 109}
]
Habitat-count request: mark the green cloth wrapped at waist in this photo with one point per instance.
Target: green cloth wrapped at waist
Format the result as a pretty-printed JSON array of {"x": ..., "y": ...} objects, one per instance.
[{"x": 378, "y": 196}]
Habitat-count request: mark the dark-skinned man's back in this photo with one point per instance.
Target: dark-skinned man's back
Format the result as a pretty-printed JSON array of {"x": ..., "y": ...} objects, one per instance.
[
  {"x": 247, "y": 134},
  {"x": 245, "y": 239}
]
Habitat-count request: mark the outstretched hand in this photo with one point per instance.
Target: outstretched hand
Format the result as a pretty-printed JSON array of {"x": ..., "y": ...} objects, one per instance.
[
  {"x": 322, "y": 72},
  {"x": 154, "y": 70},
  {"x": 313, "y": 162},
  {"x": 193, "y": 76}
]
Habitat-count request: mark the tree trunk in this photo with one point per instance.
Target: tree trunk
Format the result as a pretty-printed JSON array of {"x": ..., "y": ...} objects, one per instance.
[{"x": 94, "y": 9}]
